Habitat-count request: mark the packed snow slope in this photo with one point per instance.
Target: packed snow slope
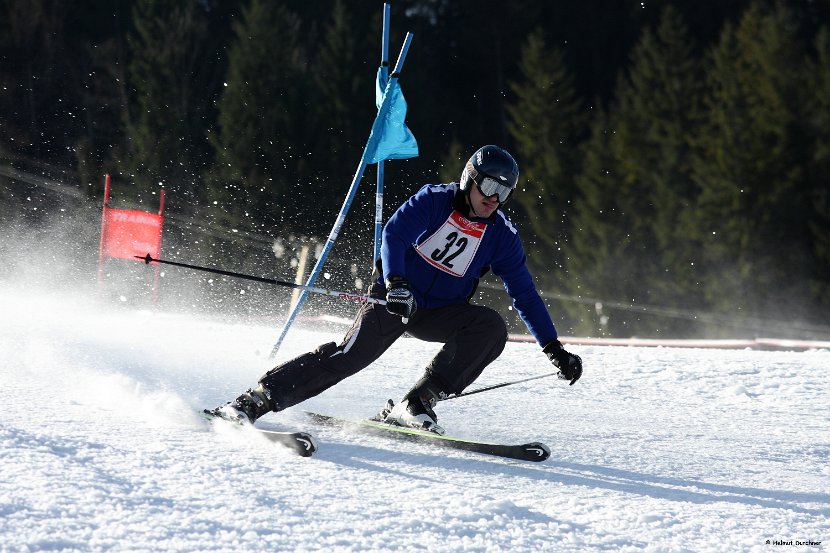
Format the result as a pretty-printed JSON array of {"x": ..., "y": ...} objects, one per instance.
[{"x": 655, "y": 449}]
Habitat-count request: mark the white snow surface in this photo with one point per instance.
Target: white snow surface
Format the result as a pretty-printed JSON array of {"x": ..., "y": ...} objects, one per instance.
[{"x": 655, "y": 449}]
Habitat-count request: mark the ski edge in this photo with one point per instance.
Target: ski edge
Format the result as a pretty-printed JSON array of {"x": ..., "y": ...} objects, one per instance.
[{"x": 531, "y": 451}]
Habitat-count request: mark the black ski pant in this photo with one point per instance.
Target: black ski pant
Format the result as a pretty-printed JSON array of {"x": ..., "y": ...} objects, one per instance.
[{"x": 473, "y": 336}]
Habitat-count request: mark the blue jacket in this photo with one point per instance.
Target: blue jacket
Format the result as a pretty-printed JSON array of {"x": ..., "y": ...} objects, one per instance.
[{"x": 443, "y": 254}]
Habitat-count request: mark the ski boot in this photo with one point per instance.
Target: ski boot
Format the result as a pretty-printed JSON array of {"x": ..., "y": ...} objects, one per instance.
[
  {"x": 245, "y": 409},
  {"x": 416, "y": 408}
]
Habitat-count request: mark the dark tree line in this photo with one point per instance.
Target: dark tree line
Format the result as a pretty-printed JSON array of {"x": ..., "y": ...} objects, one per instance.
[{"x": 674, "y": 154}]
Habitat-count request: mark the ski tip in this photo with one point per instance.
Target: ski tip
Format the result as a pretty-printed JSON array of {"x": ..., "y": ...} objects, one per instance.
[
  {"x": 536, "y": 451},
  {"x": 301, "y": 443},
  {"x": 307, "y": 444}
]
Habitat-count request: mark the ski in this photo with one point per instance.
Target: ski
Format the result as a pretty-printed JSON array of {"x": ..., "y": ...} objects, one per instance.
[
  {"x": 533, "y": 451},
  {"x": 301, "y": 443}
]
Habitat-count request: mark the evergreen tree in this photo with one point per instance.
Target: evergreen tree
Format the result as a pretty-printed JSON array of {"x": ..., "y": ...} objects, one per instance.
[
  {"x": 263, "y": 118},
  {"x": 546, "y": 123},
  {"x": 657, "y": 116},
  {"x": 168, "y": 75},
  {"x": 750, "y": 211},
  {"x": 345, "y": 95},
  {"x": 595, "y": 256},
  {"x": 817, "y": 118},
  {"x": 344, "y": 81},
  {"x": 44, "y": 63},
  {"x": 635, "y": 185}
]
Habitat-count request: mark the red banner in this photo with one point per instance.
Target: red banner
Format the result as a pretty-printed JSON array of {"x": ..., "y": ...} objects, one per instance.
[{"x": 128, "y": 232}]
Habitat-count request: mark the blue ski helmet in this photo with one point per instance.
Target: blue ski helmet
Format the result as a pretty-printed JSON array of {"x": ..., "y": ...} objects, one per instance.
[{"x": 493, "y": 170}]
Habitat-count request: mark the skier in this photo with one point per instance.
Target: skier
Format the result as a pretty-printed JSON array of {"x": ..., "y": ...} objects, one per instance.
[{"x": 435, "y": 248}]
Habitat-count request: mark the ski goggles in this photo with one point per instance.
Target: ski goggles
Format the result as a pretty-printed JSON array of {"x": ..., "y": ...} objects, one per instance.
[{"x": 491, "y": 187}]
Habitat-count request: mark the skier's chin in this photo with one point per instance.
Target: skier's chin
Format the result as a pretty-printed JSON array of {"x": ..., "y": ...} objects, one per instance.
[{"x": 487, "y": 210}]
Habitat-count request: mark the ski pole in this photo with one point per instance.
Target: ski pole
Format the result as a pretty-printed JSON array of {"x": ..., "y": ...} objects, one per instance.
[
  {"x": 345, "y": 295},
  {"x": 502, "y": 385}
]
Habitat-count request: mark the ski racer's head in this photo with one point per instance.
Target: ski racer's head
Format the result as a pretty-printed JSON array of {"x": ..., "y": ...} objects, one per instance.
[{"x": 488, "y": 180}]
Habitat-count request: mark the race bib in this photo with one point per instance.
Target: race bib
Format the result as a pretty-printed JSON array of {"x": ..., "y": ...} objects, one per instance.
[{"x": 453, "y": 246}]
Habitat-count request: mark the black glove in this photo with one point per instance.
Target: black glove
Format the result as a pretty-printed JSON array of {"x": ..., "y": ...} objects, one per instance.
[
  {"x": 399, "y": 298},
  {"x": 569, "y": 365}
]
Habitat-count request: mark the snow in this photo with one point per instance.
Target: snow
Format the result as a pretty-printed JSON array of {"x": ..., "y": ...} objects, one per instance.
[{"x": 655, "y": 449}]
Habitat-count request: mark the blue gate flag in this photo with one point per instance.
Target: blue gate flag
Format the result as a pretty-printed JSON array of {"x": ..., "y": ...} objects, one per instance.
[{"x": 390, "y": 138}]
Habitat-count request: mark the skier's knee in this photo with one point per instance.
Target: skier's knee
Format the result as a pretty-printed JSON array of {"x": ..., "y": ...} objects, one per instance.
[
  {"x": 326, "y": 350},
  {"x": 495, "y": 325}
]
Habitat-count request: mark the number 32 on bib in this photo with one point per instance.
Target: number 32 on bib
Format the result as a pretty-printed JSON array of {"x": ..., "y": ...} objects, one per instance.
[{"x": 453, "y": 246}]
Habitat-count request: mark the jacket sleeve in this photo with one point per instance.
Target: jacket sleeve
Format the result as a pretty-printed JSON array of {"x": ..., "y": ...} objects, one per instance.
[
  {"x": 404, "y": 227},
  {"x": 511, "y": 267}
]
